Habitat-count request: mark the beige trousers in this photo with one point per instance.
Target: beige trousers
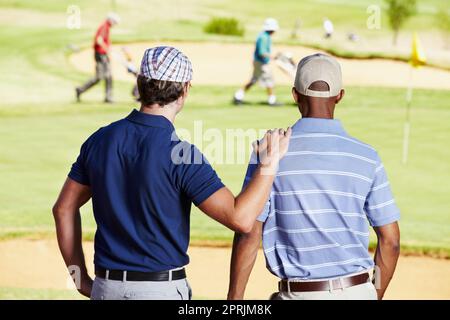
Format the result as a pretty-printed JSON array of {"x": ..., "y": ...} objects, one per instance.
[{"x": 365, "y": 291}]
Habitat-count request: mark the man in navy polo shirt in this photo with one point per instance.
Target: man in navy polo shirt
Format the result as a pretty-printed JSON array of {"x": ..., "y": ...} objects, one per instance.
[{"x": 142, "y": 181}]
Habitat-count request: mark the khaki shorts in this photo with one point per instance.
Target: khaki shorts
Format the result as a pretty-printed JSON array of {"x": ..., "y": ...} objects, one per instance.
[{"x": 263, "y": 74}]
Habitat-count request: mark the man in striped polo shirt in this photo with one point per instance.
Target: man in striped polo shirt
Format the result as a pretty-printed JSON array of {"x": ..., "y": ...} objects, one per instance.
[{"x": 328, "y": 189}]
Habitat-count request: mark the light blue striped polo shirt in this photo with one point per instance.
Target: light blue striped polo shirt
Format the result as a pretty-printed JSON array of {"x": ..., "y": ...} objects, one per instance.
[{"x": 328, "y": 189}]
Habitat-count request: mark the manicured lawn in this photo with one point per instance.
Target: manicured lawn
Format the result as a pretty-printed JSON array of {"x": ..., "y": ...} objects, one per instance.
[
  {"x": 41, "y": 128},
  {"x": 38, "y": 149}
]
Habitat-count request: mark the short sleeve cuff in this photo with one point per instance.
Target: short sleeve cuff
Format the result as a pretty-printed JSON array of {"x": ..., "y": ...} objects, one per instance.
[
  {"x": 262, "y": 217},
  {"x": 265, "y": 213},
  {"x": 207, "y": 192},
  {"x": 78, "y": 178},
  {"x": 78, "y": 171},
  {"x": 385, "y": 220}
]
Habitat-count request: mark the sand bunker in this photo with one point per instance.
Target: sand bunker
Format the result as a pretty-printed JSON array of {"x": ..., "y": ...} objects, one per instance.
[
  {"x": 38, "y": 264},
  {"x": 231, "y": 64}
]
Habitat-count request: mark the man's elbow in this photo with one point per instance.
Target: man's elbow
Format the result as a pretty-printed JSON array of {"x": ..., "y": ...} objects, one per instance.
[
  {"x": 392, "y": 244},
  {"x": 243, "y": 226},
  {"x": 58, "y": 211}
]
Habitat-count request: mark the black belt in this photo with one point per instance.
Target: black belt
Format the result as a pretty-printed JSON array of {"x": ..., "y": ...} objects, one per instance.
[{"x": 140, "y": 276}]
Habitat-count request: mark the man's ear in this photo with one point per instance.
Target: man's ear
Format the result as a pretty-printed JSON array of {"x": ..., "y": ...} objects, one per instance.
[
  {"x": 186, "y": 89},
  {"x": 340, "y": 96},
  {"x": 295, "y": 95},
  {"x": 183, "y": 97}
]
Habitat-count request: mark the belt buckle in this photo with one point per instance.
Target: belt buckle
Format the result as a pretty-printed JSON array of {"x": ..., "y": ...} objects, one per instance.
[
  {"x": 288, "y": 286},
  {"x": 335, "y": 284}
]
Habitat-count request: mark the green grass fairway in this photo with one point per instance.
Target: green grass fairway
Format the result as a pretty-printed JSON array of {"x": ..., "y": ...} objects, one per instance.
[
  {"x": 41, "y": 128},
  {"x": 38, "y": 149}
]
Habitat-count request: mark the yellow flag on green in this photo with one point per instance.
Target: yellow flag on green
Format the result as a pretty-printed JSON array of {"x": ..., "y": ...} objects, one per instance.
[{"x": 417, "y": 55}]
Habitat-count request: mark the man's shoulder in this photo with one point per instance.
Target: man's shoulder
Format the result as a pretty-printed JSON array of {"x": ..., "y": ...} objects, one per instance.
[
  {"x": 184, "y": 152},
  {"x": 358, "y": 141},
  {"x": 104, "y": 27},
  {"x": 366, "y": 148},
  {"x": 108, "y": 130},
  {"x": 117, "y": 125},
  {"x": 261, "y": 36}
]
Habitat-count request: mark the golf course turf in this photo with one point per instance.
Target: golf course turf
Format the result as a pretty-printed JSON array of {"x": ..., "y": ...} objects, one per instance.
[
  {"x": 40, "y": 146},
  {"x": 42, "y": 127}
]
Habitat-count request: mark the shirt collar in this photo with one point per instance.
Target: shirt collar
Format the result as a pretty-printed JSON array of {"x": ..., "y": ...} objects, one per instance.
[
  {"x": 149, "y": 120},
  {"x": 318, "y": 125}
]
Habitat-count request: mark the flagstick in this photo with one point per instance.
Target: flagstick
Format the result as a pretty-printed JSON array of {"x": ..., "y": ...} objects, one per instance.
[{"x": 407, "y": 126}]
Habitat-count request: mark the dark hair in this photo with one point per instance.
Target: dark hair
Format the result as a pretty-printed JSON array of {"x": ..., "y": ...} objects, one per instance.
[{"x": 160, "y": 92}]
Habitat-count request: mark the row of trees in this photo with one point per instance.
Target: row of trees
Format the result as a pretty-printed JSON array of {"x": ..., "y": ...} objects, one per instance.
[{"x": 399, "y": 11}]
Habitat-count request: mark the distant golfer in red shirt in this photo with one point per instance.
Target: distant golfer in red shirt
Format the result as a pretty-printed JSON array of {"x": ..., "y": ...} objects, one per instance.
[{"x": 102, "y": 43}]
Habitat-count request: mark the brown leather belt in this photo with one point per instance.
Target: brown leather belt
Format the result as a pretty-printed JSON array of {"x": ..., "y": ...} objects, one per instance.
[{"x": 324, "y": 285}]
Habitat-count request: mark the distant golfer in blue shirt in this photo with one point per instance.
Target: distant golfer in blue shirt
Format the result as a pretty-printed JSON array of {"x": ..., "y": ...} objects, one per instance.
[
  {"x": 328, "y": 189},
  {"x": 261, "y": 67},
  {"x": 142, "y": 180}
]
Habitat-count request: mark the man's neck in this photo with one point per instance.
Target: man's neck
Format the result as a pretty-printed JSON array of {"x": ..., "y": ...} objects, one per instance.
[
  {"x": 317, "y": 108},
  {"x": 320, "y": 115},
  {"x": 157, "y": 110}
]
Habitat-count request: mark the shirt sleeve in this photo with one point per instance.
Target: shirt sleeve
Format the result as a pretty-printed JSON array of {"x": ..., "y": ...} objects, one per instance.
[
  {"x": 78, "y": 172},
  {"x": 197, "y": 179},
  {"x": 252, "y": 166},
  {"x": 380, "y": 205}
]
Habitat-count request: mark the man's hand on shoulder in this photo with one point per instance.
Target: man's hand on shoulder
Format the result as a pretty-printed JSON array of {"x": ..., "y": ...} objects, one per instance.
[{"x": 272, "y": 148}]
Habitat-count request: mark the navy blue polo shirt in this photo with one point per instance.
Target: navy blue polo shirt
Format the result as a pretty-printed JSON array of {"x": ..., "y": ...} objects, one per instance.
[{"x": 143, "y": 181}]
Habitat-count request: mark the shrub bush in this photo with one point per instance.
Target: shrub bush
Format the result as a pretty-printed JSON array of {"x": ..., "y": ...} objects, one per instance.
[{"x": 224, "y": 26}]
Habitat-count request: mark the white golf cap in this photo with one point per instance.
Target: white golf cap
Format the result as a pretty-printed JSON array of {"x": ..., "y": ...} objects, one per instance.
[
  {"x": 318, "y": 67},
  {"x": 113, "y": 17},
  {"x": 270, "y": 24}
]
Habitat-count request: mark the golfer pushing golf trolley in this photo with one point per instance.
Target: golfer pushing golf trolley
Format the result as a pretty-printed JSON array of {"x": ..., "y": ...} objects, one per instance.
[
  {"x": 286, "y": 63},
  {"x": 261, "y": 65},
  {"x": 126, "y": 60}
]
